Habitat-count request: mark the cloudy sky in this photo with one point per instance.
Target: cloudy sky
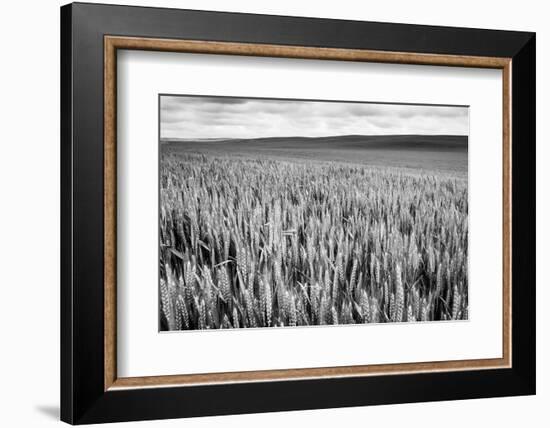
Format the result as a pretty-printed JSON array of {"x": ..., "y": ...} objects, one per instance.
[{"x": 218, "y": 117}]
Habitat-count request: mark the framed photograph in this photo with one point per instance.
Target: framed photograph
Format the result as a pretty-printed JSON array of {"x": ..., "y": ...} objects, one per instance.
[{"x": 320, "y": 213}]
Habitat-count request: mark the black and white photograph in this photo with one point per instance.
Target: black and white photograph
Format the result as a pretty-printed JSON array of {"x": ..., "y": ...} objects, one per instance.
[{"x": 286, "y": 213}]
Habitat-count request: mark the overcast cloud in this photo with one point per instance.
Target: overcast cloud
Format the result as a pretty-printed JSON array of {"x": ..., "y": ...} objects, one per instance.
[{"x": 218, "y": 117}]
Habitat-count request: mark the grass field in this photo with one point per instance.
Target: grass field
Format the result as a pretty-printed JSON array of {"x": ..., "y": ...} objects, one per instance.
[{"x": 313, "y": 231}]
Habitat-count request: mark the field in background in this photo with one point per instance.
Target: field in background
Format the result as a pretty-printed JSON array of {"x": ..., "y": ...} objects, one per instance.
[
  {"x": 431, "y": 153},
  {"x": 258, "y": 233}
]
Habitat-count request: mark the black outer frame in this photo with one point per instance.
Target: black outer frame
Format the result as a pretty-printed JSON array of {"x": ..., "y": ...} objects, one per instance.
[{"x": 83, "y": 399}]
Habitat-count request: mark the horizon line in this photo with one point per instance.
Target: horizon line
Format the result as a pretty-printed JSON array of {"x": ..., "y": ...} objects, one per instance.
[{"x": 313, "y": 137}]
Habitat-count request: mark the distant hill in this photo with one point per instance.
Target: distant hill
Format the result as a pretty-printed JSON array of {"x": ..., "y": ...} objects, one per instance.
[
  {"x": 447, "y": 153},
  {"x": 445, "y": 143}
]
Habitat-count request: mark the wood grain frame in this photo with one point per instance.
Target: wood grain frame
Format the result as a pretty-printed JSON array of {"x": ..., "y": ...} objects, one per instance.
[{"x": 114, "y": 43}]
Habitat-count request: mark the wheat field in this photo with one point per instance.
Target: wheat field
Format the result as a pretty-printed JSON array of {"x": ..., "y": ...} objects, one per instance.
[{"x": 252, "y": 242}]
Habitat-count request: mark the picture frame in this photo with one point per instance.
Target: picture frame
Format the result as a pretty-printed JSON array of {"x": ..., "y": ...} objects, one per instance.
[{"x": 91, "y": 390}]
